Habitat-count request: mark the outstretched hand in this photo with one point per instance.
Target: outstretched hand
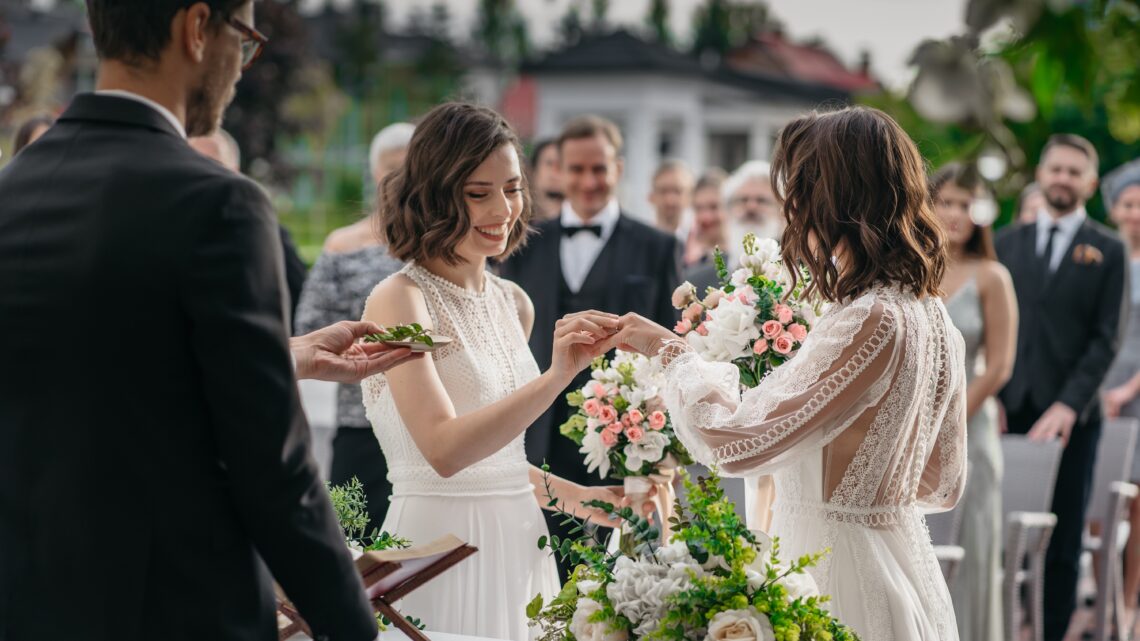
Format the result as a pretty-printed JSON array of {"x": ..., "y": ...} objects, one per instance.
[
  {"x": 579, "y": 339},
  {"x": 641, "y": 335},
  {"x": 334, "y": 354}
]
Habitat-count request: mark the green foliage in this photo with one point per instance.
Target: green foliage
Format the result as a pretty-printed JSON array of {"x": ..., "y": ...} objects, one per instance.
[
  {"x": 658, "y": 21},
  {"x": 351, "y": 508},
  {"x": 414, "y": 333}
]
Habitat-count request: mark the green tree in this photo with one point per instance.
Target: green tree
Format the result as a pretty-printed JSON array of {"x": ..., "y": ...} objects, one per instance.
[
  {"x": 658, "y": 21},
  {"x": 502, "y": 30}
]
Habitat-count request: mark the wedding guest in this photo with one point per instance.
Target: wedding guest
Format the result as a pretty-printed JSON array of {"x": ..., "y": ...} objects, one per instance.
[
  {"x": 388, "y": 149},
  {"x": 30, "y": 131},
  {"x": 593, "y": 256},
  {"x": 1069, "y": 275},
  {"x": 222, "y": 148},
  {"x": 1029, "y": 203},
  {"x": 546, "y": 180},
  {"x": 979, "y": 297},
  {"x": 1121, "y": 397},
  {"x": 752, "y": 209},
  {"x": 671, "y": 194},
  {"x": 708, "y": 231},
  {"x": 352, "y": 261},
  {"x": 151, "y": 435}
]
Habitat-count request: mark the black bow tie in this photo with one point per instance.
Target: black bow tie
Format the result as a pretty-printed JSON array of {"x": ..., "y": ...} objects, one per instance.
[{"x": 593, "y": 229}]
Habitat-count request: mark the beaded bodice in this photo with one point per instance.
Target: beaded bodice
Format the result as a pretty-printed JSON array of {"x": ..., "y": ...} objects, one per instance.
[{"x": 487, "y": 360}]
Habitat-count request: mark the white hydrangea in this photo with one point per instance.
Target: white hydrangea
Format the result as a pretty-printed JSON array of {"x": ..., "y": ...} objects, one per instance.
[{"x": 639, "y": 590}]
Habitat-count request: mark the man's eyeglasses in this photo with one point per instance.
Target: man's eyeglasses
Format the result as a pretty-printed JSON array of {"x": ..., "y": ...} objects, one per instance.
[{"x": 252, "y": 42}]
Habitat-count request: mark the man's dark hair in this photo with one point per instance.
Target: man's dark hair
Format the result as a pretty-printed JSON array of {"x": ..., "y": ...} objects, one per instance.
[
  {"x": 536, "y": 153},
  {"x": 1074, "y": 141},
  {"x": 136, "y": 31}
]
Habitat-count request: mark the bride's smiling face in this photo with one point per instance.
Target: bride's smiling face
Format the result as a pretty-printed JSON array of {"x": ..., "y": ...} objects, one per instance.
[{"x": 493, "y": 194}]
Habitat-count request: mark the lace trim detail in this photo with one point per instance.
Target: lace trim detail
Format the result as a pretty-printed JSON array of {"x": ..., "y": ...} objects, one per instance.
[{"x": 872, "y": 517}]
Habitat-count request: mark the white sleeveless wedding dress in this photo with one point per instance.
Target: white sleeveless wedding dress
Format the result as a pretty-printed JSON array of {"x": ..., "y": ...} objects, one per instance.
[
  {"x": 864, "y": 430},
  {"x": 490, "y": 504}
]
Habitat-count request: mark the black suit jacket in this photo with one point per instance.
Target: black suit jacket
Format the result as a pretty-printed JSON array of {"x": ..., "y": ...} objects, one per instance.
[
  {"x": 295, "y": 272},
  {"x": 1070, "y": 321},
  {"x": 152, "y": 445},
  {"x": 650, "y": 262}
]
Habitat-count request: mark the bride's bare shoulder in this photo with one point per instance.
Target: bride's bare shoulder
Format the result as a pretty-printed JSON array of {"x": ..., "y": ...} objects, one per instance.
[{"x": 396, "y": 300}]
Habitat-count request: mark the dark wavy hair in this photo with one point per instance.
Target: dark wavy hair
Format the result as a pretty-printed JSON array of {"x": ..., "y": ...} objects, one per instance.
[
  {"x": 851, "y": 182},
  {"x": 135, "y": 31},
  {"x": 423, "y": 213},
  {"x": 981, "y": 241}
]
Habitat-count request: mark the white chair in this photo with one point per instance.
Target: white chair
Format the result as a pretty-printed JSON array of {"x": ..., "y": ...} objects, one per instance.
[
  {"x": 318, "y": 400},
  {"x": 1027, "y": 497},
  {"x": 1111, "y": 495},
  {"x": 944, "y": 534}
]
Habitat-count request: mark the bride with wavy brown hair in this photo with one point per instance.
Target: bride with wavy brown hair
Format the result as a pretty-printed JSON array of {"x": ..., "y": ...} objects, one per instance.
[{"x": 865, "y": 429}]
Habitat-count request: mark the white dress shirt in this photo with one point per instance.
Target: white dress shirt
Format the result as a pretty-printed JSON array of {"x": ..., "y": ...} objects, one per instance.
[
  {"x": 166, "y": 113},
  {"x": 581, "y": 250},
  {"x": 1067, "y": 227}
]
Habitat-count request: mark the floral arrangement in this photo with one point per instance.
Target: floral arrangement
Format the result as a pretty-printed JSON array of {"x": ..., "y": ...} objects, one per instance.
[
  {"x": 620, "y": 423},
  {"x": 715, "y": 580},
  {"x": 748, "y": 321}
]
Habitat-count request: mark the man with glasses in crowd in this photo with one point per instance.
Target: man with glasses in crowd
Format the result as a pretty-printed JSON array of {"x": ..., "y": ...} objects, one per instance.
[{"x": 152, "y": 445}]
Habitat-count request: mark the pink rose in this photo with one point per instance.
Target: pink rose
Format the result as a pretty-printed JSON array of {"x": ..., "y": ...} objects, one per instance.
[
  {"x": 635, "y": 417},
  {"x": 599, "y": 390},
  {"x": 657, "y": 421},
  {"x": 784, "y": 313},
  {"x": 760, "y": 346},
  {"x": 683, "y": 326},
  {"x": 615, "y": 427},
  {"x": 702, "y": 330},
  {"x": 798, "y": 332},
  {"x": 693, "y": 313},
  {"x": 591, "y": 407},
  {"x": 772, "y": 328},
  {"x": 634, "y": 434},
  {"x": 625, "y": 420},
  {"x": 713, "y": 299},
  {"x": 609, "y": 439},
  {"x": 783, "y": 343},
  {"x": 684, "y": 295},
  {"x": 607, "y": 414}
]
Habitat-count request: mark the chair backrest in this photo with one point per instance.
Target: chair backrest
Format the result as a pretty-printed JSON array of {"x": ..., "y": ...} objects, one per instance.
[
  {"x": 1113, "y": 462},
  {"x": 1030, "y": 472}
]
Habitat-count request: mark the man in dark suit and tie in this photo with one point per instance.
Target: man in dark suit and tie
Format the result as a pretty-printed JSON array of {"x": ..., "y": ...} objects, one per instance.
[
  {"x": 592, "y": 256},
  {"x": 154, "y": 459},
  {"x": 1069, "y": 274}
]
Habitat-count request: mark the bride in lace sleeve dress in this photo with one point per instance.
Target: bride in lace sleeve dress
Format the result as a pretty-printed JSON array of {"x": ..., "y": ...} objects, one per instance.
[
  {"x": 864, "y": 430},
  {"x": 451, "y": 427}
]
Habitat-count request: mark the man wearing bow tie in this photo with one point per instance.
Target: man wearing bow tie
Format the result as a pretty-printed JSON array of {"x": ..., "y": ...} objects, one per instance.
[
  {"x": 590, "y": 257},
  {"x": 1069, "y": 274}
]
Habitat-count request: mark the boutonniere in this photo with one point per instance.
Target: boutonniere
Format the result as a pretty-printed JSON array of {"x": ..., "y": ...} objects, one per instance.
[{"x": 1087, "y": 255}]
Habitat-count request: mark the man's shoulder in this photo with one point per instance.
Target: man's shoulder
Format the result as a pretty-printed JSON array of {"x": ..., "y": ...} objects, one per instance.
[{"x": 1104, "y": 233}]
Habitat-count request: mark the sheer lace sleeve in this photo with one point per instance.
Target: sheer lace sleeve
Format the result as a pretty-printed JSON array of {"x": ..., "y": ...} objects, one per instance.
[
  {"x": 944, "y": 477},
  {"x": 844, "y": 368}
]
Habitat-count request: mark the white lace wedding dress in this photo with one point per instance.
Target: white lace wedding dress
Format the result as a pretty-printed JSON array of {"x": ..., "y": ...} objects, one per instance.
[
  {"x": 864, "y": 430},
  {"x": 490, "y": 504}
]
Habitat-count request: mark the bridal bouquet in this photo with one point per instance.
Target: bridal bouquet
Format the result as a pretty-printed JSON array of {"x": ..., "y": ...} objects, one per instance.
[
  {"x": 715, "y": 580},
  {"x": 747, "y": 321},
  {"x": 620, "y": 423}
]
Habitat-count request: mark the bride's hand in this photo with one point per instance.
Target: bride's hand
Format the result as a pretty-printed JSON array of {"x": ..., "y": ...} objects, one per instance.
[
  {"x": 579, "y": 339},
  {"x": 639, "y": 334}
]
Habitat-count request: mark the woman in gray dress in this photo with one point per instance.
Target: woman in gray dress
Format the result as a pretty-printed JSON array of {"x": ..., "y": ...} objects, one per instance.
[
  {"x": 982, "y": 305},
  {"x": 352, "y": 261},
  {"x": 1122, "y": 396}
]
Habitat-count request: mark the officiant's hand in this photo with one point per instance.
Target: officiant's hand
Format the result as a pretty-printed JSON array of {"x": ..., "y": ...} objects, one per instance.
[
  {"x": 613, "y": 494},
  {"x": 641, "y": 335},
  {"x": 579, "y": 339},
  {"x": 333, "y": 353},
  {"x": 1056, "y": 422}
]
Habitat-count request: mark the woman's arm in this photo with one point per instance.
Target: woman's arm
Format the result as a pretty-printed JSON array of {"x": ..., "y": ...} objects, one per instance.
[
  {"x": 449, "y": 442},
  {"x": 999, "y": 313}
]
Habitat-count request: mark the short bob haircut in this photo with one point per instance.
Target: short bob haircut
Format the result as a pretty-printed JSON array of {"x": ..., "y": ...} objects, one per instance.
[
  {"x": 981, "y": 242},
  {"x": 423, "y": 213},
  {"x": 852, "y": 183}
]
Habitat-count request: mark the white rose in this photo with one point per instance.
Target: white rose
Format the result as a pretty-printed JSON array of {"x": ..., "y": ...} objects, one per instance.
[
  {"x": 767, "y": 250},
  {"x": 585, "y": 630},
  {"x": 799, "y": 586},
  {"x": 731, "y": 332},
  {"x": 649, "y": 449},
  {"x": 740, "y": 625},
  {"x": 597, "y": 454},
  {"x": 587, "y": 587}
]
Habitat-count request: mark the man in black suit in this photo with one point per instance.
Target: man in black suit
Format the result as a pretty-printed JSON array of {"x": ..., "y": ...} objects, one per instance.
[
  {"x": 592, "y": 256},
  {"x": 153, "y": 455},
  {"x": 1069, "y": 274}
]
